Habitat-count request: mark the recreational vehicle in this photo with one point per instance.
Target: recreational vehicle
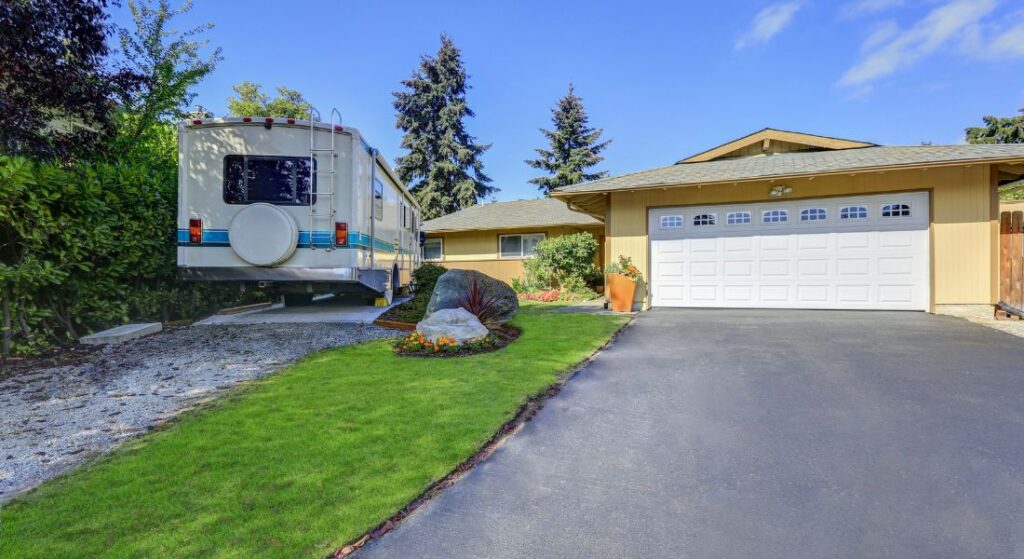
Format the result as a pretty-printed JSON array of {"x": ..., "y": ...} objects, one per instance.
[{"x": 298, "y": 207}]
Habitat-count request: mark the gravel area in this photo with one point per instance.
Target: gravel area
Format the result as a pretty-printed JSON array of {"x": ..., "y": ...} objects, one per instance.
[
  {"x": 54, "y": 419},
  {"x": 983, "y": 314}
]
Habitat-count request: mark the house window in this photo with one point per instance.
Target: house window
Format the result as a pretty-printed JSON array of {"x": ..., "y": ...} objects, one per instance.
[
  {"x": 896, "y": 210},
  {"x": 518, "y": 246},
  {"x": 378, "y": 200},
  {"x": 703, "y": 219},
  {"x": 813, "y": 214},
  {"x": 737, "y": 218},
  {"x": 433, "y": 249},
  {"x": 775, "y": 216},
  {"x": 282, "y": 181},
  {"x": 671, "y": 221},
  {"x": 854, "y": 212}
]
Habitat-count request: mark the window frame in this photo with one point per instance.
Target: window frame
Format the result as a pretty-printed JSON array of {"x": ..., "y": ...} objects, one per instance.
[
  {"x": 706, "y": 219},
  {"x": 729, "y": 216},
  {"x": 809, "y": 215},
  {"x": 440, "y": 252},
  {"x": 673, "y": 217},
  {"x": 903, "y": 206},
  {"x": 245, "y": 201},
  {"x": 378, "y": 200},
  {"x": 775, "y": 213},
  {"x": 522, "y": 253},
  {"x": 862, "y": 212}
]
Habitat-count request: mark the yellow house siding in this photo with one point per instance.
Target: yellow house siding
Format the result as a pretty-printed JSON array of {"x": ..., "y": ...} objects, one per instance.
[
  {"x": 478, "y": 250},
  {"x": 964, "y": 225}
]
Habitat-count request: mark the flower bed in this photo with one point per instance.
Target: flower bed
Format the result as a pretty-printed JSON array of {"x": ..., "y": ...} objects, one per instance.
[{"x": 415, "y": 345}]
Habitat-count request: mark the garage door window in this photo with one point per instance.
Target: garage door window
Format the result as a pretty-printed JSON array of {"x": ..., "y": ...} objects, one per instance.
[
  {"x": 701, "y": 220},
  {"x": 896, "y": 210},
  {"x": 671, "y": 221},
  {"x": 519, "y": 246},
  {"x": 853, "y": 212},
  {"x": 737, "y": 218},
  {"x": 775, "y": 216},
  {"x": 814, "y": 214}
]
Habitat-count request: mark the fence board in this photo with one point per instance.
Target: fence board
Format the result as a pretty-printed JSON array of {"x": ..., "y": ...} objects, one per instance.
[
  {"x": 1017, "y": 253},
  {"x": 1005, "y": 257}
]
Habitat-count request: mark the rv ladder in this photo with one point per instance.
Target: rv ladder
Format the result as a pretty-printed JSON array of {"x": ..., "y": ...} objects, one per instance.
[{"x": 315, "y": 172}]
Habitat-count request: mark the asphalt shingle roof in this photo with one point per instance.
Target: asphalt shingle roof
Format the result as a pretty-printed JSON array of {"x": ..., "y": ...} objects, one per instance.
[
  {"x": 801, "y": 163},
  {"x": 545, "y": 212}
]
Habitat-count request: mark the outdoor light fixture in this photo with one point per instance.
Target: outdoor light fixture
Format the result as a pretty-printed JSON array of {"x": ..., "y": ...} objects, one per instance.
[{"x": 779, "y": 191}]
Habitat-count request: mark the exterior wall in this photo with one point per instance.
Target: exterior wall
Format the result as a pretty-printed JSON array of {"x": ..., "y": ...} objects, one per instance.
[
  {"x": 478, "y": 250},
  {"x": 964, "y": 221}
]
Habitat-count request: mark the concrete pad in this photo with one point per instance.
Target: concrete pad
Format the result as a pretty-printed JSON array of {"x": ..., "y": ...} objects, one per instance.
[
  {"x": 121, "y": 334},
  {"x": 328, "y": 310}
]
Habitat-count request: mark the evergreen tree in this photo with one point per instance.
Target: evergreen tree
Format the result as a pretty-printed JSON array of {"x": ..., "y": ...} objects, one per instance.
[
  {"x": 443, "y": 167},
  {"x": 998, "y": 130},
  {"x": 574, "y": 146}
]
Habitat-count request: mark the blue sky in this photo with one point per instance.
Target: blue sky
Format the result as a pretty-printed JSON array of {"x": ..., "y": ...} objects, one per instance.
[{"x": 664, "y": 79}]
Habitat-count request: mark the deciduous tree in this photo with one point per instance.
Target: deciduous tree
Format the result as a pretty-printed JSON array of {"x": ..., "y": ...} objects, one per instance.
[{"x": 251, "y": 101}]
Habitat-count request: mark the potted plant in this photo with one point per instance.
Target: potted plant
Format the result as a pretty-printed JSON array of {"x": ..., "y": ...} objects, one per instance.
[{"x": 620, "y": 283}]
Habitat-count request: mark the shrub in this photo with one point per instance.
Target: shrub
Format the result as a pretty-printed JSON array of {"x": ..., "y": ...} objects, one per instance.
[
  {"x": 424, "y": 279},
  {"x": 566, "y": 262},
  {"x": 625, "y": 267},
  {"x": 482, "y": 305}
]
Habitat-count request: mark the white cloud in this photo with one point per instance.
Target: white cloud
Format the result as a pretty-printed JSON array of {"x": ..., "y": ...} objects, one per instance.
[
  {"x": 1009, "y": 43},
  {"x": 869, "y": 7},
  {"x": 881, "y": 34},
  {"x": 768, "y": 23},
  {"x": 899, "y": 48}
]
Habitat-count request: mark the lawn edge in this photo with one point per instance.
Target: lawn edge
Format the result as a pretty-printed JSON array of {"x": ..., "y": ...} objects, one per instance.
[{"x": 524, "y": 414}]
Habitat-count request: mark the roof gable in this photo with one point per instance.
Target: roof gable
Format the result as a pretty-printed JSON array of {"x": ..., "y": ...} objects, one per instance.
[{"x": 770, "y": 141}]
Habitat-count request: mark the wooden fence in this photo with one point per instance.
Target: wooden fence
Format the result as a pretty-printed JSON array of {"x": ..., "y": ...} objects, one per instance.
[{"x": 1011, "y": 258}]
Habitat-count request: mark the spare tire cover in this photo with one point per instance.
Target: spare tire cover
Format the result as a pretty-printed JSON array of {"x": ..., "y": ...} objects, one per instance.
[{"x": 263, "y": 235}]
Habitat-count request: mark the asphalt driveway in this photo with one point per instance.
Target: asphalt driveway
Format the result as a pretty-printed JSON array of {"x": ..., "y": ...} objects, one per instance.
[{"x": 757, "y": 434}]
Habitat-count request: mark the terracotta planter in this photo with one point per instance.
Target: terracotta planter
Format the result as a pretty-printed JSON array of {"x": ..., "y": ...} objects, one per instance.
[{"x": 620, "y": 292}]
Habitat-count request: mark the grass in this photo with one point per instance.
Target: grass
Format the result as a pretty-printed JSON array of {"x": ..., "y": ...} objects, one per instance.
[{"x": 303, "y": 461}]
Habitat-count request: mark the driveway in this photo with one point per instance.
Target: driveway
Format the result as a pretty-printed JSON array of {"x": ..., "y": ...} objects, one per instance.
[{"x": 757, "y": 434}]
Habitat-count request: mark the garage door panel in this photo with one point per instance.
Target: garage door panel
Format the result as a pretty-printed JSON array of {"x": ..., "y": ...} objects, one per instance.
[{"x": 865, "y": 263}]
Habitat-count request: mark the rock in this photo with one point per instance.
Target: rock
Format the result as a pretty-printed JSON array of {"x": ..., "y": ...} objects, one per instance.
[
  {"x": 454, "y": 284},
  {"x": 458, "y": 324}
]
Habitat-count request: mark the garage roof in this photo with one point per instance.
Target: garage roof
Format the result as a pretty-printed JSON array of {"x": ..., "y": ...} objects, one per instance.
[
  {"x": 801, "y": 164},
  {"x": 544, "y": 212}
]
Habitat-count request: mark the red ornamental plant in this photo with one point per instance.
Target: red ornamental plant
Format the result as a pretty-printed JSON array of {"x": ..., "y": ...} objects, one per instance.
[{"x": 479, "y": 303}]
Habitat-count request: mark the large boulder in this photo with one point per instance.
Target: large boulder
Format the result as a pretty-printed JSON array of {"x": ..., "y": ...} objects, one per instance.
[
  {"x": 458, "y": 324},
  {"x": 456, "y": 284}
]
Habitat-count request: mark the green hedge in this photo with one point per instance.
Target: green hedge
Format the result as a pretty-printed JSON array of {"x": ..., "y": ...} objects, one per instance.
[{"x": 91, "y": 244}]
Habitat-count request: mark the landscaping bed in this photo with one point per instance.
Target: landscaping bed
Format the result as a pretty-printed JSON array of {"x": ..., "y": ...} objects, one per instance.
[
  {"x": 302, "y": 462},
  {"x": 415, "y": 345}
]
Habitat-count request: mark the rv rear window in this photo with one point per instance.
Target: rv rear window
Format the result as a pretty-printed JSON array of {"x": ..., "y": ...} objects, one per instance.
[{"x": 274, "y": 180}]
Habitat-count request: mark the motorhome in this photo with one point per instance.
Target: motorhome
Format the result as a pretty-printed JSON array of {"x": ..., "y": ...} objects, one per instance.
[{"x": 297, "y": 207}]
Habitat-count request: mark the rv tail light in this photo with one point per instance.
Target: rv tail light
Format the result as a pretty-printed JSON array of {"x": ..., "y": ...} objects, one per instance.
[
  {"x": 291, "y": 121},
  {"x": 195, "y": 231},
  {"x": 246, "y": 119},
  {"x": 340, "y": 234},
  {"x": 338, "y": 129},
  {"x": 197, "y": 122},
  {"x": 268, "y": 120}
]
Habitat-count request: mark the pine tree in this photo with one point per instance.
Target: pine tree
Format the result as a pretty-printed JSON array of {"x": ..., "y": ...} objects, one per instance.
[
  {"x": 574, "y": 146},
  {"x": 443, "y": 167}
]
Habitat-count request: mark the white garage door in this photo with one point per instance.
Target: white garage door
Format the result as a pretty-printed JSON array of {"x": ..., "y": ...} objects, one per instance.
[{"x": 867, "y": 252}]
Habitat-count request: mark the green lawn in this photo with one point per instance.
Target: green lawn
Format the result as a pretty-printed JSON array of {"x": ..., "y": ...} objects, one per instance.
[{"x": 302, "y": 462}]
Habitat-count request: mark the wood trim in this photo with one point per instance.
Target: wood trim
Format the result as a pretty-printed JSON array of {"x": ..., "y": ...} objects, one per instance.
[{"x": 767, "y": 135}]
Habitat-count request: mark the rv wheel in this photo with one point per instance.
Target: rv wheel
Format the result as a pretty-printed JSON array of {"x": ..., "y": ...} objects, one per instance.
[{"x": 298, "y": 299}]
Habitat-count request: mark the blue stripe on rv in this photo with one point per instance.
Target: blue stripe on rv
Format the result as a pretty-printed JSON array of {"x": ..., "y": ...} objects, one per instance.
[{"x": 321, "y": 239}]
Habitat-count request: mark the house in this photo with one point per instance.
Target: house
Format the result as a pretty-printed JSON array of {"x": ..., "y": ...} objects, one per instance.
[
  {"x": 781, "y": 219},
  {"x": 495, "y": 238}
]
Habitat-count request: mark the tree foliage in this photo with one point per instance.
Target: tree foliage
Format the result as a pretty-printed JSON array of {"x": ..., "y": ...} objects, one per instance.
[
  {"x": 172, "y": 62},
  {"x": 565, "y": 262},
  {"x": 251, "y": 101},
  {"x": 443, "y": 167},
  {"x": 998, "y": 130},
  {"x": 574, "y": 146},
  {"x": 56, "y": 82},
  {"x": 1001, "y": 130}
]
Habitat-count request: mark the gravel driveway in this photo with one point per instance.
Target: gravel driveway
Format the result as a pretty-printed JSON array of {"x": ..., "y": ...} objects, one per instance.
[{"x": 54, "y": 419}]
